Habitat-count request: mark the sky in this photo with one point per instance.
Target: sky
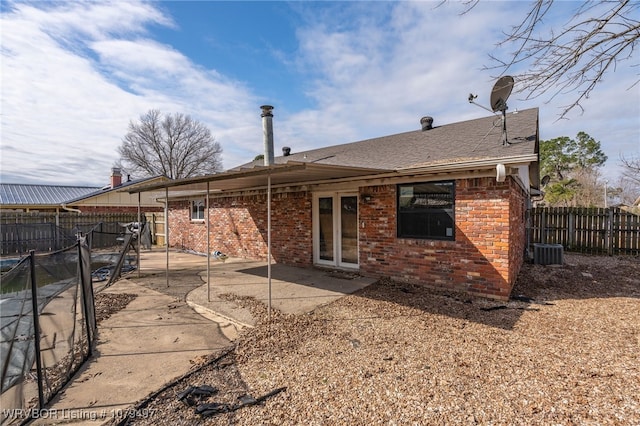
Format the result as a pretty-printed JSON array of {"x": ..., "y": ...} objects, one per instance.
[{"x": 75, "y": 74}]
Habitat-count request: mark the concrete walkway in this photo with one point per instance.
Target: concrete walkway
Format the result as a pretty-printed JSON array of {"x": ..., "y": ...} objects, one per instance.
[
  {"x": 140, "y": 348},
  {"x": 156, "y": 337}
]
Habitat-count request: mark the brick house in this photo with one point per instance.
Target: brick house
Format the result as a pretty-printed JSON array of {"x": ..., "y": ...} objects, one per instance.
[{"x": 442, "y": 206}]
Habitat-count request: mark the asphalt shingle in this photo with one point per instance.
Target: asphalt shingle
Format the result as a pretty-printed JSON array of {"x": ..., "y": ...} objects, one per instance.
[{"x": 450, "y": 143}]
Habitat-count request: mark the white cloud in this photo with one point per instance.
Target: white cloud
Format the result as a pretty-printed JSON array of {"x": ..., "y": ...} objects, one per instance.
[
  {"x": 374, "y": 77},
  {"x": 69, "y": 89},
  {"x": 380, "y": 75}
]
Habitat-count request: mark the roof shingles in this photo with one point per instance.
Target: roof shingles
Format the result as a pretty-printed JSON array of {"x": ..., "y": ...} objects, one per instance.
[{"x": 473, "y": 139}]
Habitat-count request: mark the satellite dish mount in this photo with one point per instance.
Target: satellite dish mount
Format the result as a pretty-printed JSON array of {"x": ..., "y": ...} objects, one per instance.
[{"x": 499, "y": 95}]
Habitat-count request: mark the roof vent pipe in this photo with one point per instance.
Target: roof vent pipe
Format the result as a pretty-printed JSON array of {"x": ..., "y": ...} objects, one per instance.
[
  {"x": 267, "y": 130},
  {"x": 286, "y": 151},
  {"x": 427, "y": 123}
]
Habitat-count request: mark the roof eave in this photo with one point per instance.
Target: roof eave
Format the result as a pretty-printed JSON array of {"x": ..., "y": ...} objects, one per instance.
[
  {"x": 275, "y": 169},
  {"x": 470, "y": 164}
]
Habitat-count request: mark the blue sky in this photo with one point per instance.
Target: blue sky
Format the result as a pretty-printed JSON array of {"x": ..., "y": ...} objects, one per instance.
[{"x": 75, "y": 73}]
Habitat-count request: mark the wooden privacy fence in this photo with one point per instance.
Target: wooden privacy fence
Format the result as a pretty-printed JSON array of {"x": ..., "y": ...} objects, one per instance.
[
  {"x": 51, "y": 231},
  {"x": 610, "y": 231}
]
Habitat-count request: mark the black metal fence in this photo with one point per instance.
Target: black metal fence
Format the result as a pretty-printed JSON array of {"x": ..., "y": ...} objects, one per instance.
[
  {"x": 611, "y": 231},
  {"x": 47, "y": 326},
  {"x": 21, "y": 232}
]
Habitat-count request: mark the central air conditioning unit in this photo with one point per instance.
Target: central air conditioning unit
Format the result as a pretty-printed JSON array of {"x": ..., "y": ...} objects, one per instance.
[{"x": 547, "y": 254}]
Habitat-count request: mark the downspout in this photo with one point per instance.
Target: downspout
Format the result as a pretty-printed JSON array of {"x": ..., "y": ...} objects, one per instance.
[{"x": 70, "y": 209}]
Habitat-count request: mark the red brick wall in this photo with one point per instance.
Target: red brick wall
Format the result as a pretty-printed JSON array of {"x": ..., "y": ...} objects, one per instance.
[
  {"x": 518, "y": 234},
  {"x": 484, "y": 258},
  {"x": 238, "y": 227}
]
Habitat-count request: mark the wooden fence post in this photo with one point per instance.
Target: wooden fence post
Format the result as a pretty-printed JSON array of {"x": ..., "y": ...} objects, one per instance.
[
  {"x": 610, "y": 235},
  {"x": 571, "y": 230}
]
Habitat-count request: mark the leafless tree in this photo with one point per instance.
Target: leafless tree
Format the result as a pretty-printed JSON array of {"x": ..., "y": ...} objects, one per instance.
[
  {"x": 175, "y": 146},
  {"x": 631, "y": 168},
  {"x": 590, "y": 192},
  {"x": 624, "y": 191},
  {"x": 574, "y": 58},
  {"x": 629, "y": 181}
]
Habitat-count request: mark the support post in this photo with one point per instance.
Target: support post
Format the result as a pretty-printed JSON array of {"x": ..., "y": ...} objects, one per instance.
[
  {"x": 208, "y": 245},
  {"x": 139, "y": 235},
  {"x": 166, "y": 230},
  {"x": 610, "y": 236},
  {"x": 269, "y": 241},
  {"x": 85, "y": 299},
  {"x": 36, "y": 327}
]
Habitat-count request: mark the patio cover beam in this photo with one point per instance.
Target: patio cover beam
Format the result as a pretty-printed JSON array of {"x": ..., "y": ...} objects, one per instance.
[{"x": 291, "y": 173}]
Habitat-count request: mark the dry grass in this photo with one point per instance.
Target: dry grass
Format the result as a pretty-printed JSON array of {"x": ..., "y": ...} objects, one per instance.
[{"x": 402, "y": 354}]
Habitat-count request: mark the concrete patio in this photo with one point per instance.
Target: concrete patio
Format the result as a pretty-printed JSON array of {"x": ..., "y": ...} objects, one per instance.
[{"x": 294, "y": 290}]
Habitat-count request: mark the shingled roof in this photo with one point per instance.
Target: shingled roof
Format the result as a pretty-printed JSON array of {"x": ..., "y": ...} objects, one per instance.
[
  {"x": 458, "y": 147},
  {"x": 450, "y": 143}
]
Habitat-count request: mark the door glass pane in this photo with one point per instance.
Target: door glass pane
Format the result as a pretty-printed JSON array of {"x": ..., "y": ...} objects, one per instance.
[
  {"x": 326, "y": 228},
  {"x": 349, "y": 229}
]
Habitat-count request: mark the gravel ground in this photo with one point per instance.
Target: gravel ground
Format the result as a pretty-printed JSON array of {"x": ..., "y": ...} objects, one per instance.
[{"x": 564, "y": 350}]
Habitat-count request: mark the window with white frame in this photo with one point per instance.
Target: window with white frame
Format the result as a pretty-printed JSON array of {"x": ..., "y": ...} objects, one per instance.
[
  {"x": 197, "y": 209},
  {"x": 426, "y": 210}
]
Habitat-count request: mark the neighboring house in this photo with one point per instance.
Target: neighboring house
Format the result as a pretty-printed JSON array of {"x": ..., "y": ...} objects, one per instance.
[
  {"x": 85, "y": 199},
  {"x": 46, "y": 217},
  {"x": 443, "y": 206}
]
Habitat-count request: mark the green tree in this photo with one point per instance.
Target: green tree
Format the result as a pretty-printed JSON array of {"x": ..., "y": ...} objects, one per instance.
[
  {"x": 562, "y": 155},
  {"x": 561, "y": 193},
  {"x": 585, "y": 152},
  {"x": 554, "y": 158},
  {"x": 573, "y": 167}
]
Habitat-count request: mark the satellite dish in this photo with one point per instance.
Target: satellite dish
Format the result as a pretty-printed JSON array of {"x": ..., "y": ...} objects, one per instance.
[
  {"x": 545, "y": 180},
  {"x": 500, "y": 93}
]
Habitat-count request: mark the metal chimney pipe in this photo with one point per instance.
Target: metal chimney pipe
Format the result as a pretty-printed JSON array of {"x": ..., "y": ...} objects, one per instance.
[{"x": 267, "y": 130}]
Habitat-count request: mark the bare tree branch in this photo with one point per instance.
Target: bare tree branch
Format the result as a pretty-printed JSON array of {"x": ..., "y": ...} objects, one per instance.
[
  {"x": 575, "y": 58},
  {"x": 631, "y": 168},
  {"x": 175, "y": 146}
]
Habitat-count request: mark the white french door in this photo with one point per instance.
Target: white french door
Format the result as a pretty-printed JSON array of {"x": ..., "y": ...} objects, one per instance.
[{"x": 335, "y": 229}]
